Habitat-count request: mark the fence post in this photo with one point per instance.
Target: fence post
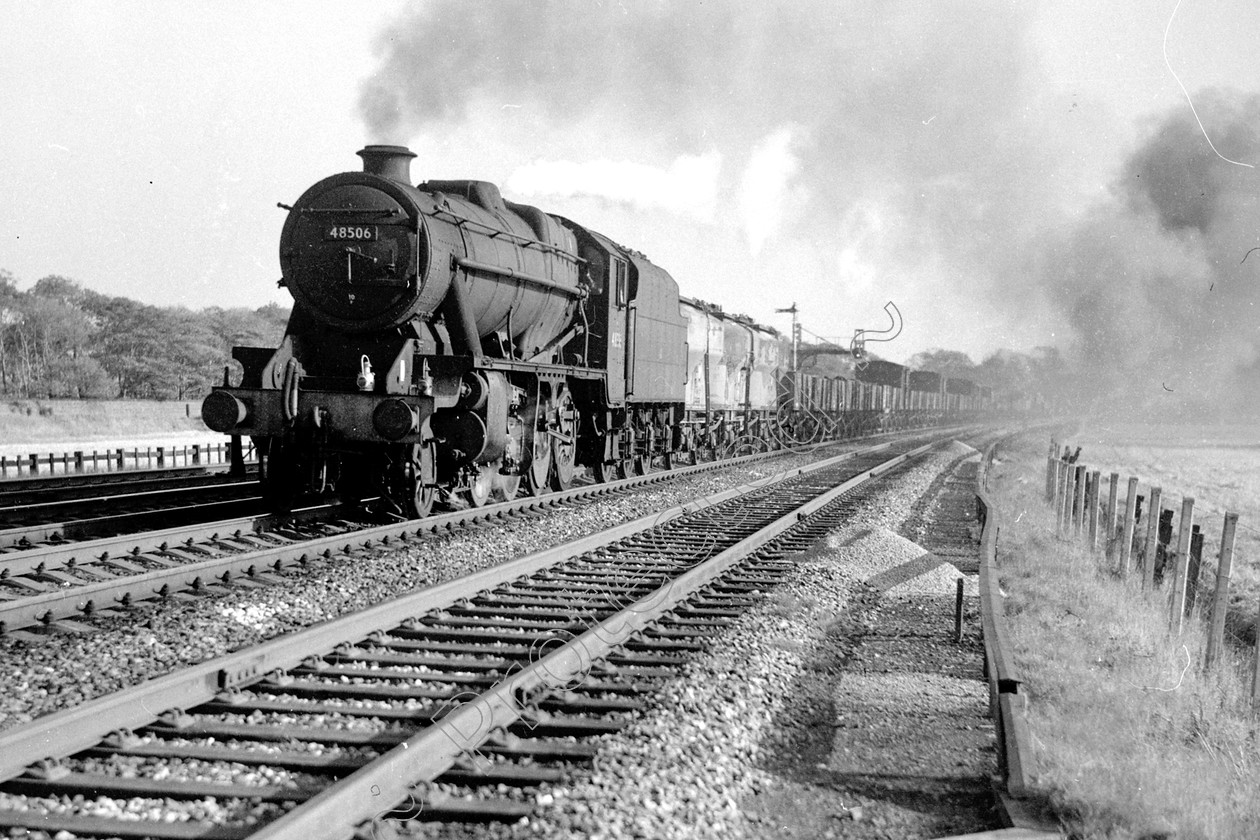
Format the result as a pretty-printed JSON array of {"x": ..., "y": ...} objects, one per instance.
[
  {"x": 1078, "y": 499},
  {"x": 1092, "y": 500},
  {"x": 1126, "y": 538},
  {"x": 1192, "y": 568},
  {"x": 1050, "y": 476},
  {"x": 1220, "y": 601},
  {"x": 1113, "y": 499},
  {"x": 1060, "y": 488},
  {"x": 1150, "y": 551},
  {"x": 1177, "y": 610}
]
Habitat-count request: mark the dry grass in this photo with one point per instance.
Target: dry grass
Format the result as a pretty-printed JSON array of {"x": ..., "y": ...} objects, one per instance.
[
  {"x": 1133, "y": 737},
  {"x": 1219, "y": 466}
]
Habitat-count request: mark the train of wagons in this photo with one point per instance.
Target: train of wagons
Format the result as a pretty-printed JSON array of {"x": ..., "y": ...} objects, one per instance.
[{"x": 447, "y": 344}]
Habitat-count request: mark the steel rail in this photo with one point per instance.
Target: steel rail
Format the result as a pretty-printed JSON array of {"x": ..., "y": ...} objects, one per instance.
[
  {"x": 69, "y": 556},
  {"x": 79, "y": 531},
  {"x": 71, "y": 730},
  {"x": 27, "y": 490},
  {"x": 340, "y": 809},
  {"x": 8, "y": 510},
  {"x": 74, "y": 601}
]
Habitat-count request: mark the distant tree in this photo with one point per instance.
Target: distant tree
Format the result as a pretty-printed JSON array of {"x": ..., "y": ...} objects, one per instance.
[{"x": 946, "y": 362}]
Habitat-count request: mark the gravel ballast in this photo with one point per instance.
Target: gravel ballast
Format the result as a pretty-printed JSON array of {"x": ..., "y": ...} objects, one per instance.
[
  {"x": 64, "y": 670},
  {"x": 838, "y": 707}
]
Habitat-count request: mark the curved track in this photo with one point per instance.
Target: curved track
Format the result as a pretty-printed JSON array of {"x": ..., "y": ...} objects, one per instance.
[{"x": 482, "y": 684}]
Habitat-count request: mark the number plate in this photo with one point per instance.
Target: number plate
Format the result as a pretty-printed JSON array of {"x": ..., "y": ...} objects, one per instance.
[{"x": 352, "y": 233}]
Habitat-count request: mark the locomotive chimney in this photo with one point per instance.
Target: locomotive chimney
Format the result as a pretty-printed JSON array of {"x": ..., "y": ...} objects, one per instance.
[{"x": 392, "y": 162}]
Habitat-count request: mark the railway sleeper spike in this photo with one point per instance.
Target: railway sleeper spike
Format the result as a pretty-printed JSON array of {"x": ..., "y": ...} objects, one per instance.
[
  {"x": 278, "y": 677},
  {"x": 231, "y": 697},
  {"x": 121, "y": 739},
  {"x": 315, "y": 663},
  {"x": 176, "y": 718},
  {"x": 47, "y": 770}
]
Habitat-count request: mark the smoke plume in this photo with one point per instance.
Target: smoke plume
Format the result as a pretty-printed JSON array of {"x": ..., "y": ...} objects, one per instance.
[
  {"x": 1155, "y": 282},
  {"x": 880, "y": 140}
]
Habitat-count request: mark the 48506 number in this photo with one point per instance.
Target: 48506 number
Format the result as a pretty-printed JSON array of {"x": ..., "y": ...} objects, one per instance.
[{"x": 357, "y": 233}]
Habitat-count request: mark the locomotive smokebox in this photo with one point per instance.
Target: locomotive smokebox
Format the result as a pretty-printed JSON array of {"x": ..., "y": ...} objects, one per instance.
[{"x": 393, "y": 162}]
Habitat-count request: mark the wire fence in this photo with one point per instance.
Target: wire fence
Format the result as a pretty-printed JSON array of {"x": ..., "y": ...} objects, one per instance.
[{"x": 1141, "y": 534}]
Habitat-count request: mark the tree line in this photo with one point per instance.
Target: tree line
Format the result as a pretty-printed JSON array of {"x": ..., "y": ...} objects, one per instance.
[{"x": 58, "y": 339}]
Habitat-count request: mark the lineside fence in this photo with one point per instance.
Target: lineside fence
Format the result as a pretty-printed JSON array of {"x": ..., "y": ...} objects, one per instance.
[
  {"x": 1136, "y": 533},
  {"x": 233, "y": 452}
]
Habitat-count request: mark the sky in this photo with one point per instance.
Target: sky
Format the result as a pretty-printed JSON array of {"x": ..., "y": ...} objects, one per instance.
[{"x": 978, "y": 164}]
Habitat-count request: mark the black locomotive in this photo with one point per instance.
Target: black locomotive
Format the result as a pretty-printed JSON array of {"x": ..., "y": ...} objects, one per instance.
[{"x": 447, "y": 343}]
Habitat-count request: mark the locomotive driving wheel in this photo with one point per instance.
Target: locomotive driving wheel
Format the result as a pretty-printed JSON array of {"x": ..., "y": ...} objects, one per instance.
[
  {"x": 563, "y": 439},
  {"x": 539, "y": 467},
  {"x": 602, "y": 471}
]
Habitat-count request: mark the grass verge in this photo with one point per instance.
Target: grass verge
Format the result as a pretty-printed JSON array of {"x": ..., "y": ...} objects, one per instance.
[
  {"x": 38, "y": 421},
  {"x": 1133, "y": 737}
]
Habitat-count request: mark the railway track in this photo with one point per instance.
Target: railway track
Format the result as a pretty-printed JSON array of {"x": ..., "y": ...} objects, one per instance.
[
  {"x": 14, "y": 492},
  {"x": 121, "y": 507},
  {"x": 58, "y": 582},
  {"x": 449, "y": 703}
]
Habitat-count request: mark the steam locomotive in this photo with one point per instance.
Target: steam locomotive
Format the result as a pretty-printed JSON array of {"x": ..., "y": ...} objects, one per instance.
[{"x": 445, "y": 343}]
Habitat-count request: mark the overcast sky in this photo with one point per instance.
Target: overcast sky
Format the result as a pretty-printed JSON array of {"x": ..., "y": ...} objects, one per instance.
[{"x": 834, "y": 154}]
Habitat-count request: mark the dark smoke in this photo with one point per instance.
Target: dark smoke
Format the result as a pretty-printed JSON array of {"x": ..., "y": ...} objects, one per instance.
[
  {"x": 912, "y": 104},
  {"x": 1164, "y": 309},
  {"x": 912, "y": 129}
]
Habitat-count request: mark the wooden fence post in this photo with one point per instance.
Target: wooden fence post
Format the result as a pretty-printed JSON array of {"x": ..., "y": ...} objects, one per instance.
[
  {"x": 1220, "y": 601},
  {"x": 1050, "y": 462},
  {"x": 1078, "y": 500},
  {"x": 1113, "y": 499},
  {"x": 1193, "y": 566},
  {"x": 1177, "y": 610},
  {"x": 1151, "y": 549},
  {"x": 1069, "y": 493},
  {"x": 1060, "y": 490},
  {"x": 1092, "y": 500},
  {"x": 1126, "y": 538}
]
